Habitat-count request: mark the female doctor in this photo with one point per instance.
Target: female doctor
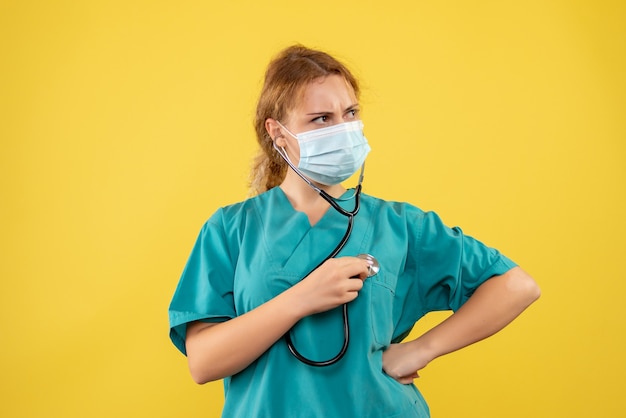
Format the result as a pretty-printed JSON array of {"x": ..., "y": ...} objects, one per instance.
[{"x": 301, "y": 296}]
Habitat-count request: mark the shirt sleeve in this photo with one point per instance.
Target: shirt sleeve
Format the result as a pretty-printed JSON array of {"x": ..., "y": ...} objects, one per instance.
[
  {"x": 451, "y": 265},
  {"x": 205, "y": 289}
]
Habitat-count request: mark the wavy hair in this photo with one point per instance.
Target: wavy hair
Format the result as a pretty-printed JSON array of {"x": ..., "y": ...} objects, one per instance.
[{"x": 285, "y": 79}]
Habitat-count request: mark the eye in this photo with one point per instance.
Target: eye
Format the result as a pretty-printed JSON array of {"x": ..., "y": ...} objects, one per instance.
[
  {"x": 352, "y": 113},
  {"x": 320, "y": 119}
]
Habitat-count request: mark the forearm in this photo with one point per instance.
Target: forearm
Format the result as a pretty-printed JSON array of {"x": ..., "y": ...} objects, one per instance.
[
  {"x": 493, "y": 305},
  {"x": 215, "y": 351}
]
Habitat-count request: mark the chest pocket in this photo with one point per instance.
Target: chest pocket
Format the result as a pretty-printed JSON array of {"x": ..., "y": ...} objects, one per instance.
[{"x": 382, "y": 294}]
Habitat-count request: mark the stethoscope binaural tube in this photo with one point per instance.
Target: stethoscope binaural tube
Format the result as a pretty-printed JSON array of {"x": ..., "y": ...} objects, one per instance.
[
  {"x": 350, "y": 215},
  {"x": 346, "y": 325}
]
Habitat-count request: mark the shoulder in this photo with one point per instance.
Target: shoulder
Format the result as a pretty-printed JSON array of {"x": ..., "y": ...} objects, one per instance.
[
  {"x": 404, "y": 216},
  {"x": 382, "y": 207},
  {"x": 239, "y": 213}
]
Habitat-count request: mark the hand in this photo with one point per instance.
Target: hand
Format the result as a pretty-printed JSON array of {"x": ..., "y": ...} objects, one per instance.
[
  {"x": 493, "y": 305},
  {"x": 403, "y": 361},
  {"x": 335, "y": 282}
]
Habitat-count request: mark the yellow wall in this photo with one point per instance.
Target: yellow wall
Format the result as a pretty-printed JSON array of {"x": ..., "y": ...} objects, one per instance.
[{"x": 125, "y": 124}]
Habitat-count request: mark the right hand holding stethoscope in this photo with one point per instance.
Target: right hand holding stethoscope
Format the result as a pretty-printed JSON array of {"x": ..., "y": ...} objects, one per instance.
[{"x": 336, "y": 282}]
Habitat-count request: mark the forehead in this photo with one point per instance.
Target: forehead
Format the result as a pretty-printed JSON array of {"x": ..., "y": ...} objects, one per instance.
[{"x": 325, "y": 94}]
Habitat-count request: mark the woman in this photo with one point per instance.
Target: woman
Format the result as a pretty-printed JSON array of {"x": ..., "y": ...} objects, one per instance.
[{"x": 260, "y": 305}]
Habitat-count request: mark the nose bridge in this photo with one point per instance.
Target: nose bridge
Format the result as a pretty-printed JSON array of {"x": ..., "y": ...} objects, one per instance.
[{"x": 338, "y": 113}]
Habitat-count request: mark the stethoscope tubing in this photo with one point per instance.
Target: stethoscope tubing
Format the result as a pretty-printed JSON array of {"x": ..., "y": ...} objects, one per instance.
[
  {"x": 346, "y": 325},
  {"x": 350, "y": 215}
]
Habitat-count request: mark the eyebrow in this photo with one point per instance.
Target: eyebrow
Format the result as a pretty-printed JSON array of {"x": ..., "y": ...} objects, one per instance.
[{"x": 347, "y": 109}]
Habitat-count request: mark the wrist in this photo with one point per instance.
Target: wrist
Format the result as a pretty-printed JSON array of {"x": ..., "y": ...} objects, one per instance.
[
  {"x": 296, "y": 302},
  {"x": 425, "y": 348}
]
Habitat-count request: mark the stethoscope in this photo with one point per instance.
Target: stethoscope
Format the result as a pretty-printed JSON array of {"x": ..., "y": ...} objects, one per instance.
[{"x": 373, "y": 268}]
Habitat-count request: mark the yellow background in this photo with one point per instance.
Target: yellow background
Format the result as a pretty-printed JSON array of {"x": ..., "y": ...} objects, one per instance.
[{"x": 125, "y": 124}]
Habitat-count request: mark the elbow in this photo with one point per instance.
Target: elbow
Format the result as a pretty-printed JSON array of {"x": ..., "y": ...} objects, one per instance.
[
  {"x": 524, "y": 286},
  {"x": 200, "y": 380},
  {"x": 201, "y": 375},
  {"x": 202, "y": 360},
  {"x": 198, "y": 377},
  {"x": 203, "y": 367},
  {"x": 535, "y": 292}
]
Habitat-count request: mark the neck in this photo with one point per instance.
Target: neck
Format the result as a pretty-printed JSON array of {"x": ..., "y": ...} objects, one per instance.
[{"x": 304, "y": 199}]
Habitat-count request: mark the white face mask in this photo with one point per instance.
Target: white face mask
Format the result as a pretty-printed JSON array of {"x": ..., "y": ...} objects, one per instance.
[{"x": 331, "y": 155}]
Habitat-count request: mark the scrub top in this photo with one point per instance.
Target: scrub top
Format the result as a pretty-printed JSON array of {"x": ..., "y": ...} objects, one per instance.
[{"x": 249, "y": 252}]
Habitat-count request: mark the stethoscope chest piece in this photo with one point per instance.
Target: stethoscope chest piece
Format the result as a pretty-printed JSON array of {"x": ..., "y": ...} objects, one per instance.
[{"x": 374, "y": 267}]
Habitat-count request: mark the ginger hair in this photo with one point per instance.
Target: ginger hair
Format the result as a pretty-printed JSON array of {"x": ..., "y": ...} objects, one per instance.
[{"x": 285, "y": 79}]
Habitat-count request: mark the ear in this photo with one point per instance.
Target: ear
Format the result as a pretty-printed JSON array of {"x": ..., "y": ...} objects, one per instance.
[{"x": 275, "y": 132}]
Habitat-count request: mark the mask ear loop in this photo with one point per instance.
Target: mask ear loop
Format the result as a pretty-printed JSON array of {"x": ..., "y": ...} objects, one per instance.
[{"x": 281, "y": 151}]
